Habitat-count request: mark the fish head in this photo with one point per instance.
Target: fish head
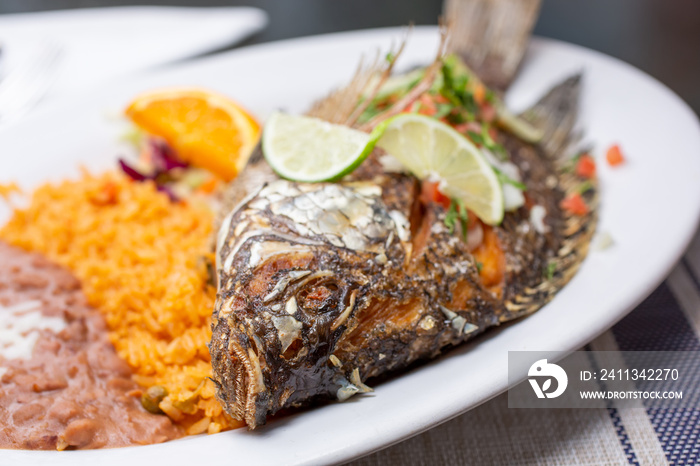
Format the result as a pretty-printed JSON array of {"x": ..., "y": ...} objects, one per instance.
[{"x": 294, "y": 263}]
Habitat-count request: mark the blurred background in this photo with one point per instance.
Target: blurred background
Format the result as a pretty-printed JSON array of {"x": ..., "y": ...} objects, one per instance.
[{"x": 661, "y": 37}]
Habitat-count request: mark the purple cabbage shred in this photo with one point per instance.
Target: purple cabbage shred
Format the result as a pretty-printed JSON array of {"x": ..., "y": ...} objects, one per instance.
[
  {"x": 131, "y": 172},
  {"x": 164, "y": 157},
  {"x": 164, "y": 161},
  {"x": 167, "y": 190}
]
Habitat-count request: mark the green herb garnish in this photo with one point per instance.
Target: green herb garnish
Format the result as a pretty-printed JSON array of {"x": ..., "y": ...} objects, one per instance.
[
  {"x": 505, "y": 179},
  {"x": 451, "y": 218},
  {"x": 585, "y": 187},
  {"x": 485, "y": 139},
  {"x": 476, "y": 137},
  {"x": 549, "y": 270},
  {"x": 492, "y": 145},
  {"x": 457, "y": 212},
  {"x": 479, "y": 266},
  {"x": 442, "y": 111},
  {"x": 454, "y": 86}
]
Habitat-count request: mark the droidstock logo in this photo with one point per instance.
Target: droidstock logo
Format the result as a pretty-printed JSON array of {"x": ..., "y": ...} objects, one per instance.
[{"x": 546, "y": 372}]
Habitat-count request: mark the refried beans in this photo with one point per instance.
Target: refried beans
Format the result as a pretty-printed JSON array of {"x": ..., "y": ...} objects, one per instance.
[{"x": 62, "y": 385}]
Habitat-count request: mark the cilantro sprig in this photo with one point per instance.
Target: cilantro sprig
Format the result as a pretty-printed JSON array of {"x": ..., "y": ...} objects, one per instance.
[
  {"x": 550, "y": 269},
  {"x": 505, "y": 179},
  {"x": 454, "y": 89},
  {"x": 457, "y": 212}
]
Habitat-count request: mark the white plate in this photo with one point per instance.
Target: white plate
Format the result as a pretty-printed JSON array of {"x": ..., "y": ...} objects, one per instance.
[{"x": 650, "y": 206}]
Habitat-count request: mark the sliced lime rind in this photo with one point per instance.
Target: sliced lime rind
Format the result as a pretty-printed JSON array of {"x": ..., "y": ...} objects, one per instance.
[
  {"x": 311, "y": 150},
  {"x": 434, "y": 151}
]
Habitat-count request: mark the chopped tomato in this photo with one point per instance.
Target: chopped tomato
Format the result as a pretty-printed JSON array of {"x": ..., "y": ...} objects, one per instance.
[
  {"x": 441, "y": 99},
  {"x": 412, "y": 107},
  {"x": 431, "y": 193},
  {"x": 585, "y": 167},
  {"x": 461, "y": 128},
  {"x": 615, "y": 156},
  {"x": 427, "y": 106},
  {"x": 488, "y": 112},
  {"x": 480, "y": 94},
  {"x": 493, "y": 132},
  {"x": 575, "y": 204}
]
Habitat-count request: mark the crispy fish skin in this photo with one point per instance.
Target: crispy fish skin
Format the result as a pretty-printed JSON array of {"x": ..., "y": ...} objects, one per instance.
[
  {"x": 323, "y": 286},
  {"x": 307, "y": 275}
]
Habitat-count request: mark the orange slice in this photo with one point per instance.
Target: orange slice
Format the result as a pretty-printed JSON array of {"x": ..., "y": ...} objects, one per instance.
[{"x": 206, "y": 129}]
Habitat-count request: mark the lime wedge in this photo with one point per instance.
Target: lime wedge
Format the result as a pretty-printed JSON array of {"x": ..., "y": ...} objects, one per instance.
[
  {"x": 310, "y": 150},
  {"x": 433, "y": 150}
]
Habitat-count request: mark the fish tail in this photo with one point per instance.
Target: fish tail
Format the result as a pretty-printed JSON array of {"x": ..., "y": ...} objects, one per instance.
[
  {"x": 491, "y": 35},
  {"x": 555, "y": 116}
]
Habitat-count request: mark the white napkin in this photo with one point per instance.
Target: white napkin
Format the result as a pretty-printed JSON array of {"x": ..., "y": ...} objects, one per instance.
[{"x": 100, "y": 43}]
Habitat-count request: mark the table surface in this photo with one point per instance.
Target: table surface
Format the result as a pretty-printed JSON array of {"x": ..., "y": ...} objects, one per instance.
[{"x": 661, "y": 37}]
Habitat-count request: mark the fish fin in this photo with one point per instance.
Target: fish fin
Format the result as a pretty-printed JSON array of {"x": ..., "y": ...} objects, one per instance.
[
  {"x": 257, "y": 155},
  {"x": 344, "y": 105},
  {"x": 372, "y": 91},
  {"x": 555, "y": 114},
  {"x": 491, "y": 35},
  {"x": 431, "y": 73},
  {"x": 337, "y": 106}
]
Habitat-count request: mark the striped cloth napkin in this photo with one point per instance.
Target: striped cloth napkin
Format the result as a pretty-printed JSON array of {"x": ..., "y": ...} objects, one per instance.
[{"x": 668, "y": 320}]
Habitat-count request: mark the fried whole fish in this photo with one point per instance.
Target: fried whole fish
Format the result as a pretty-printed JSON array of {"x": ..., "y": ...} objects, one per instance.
[{"x": 324, "y": 286}]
